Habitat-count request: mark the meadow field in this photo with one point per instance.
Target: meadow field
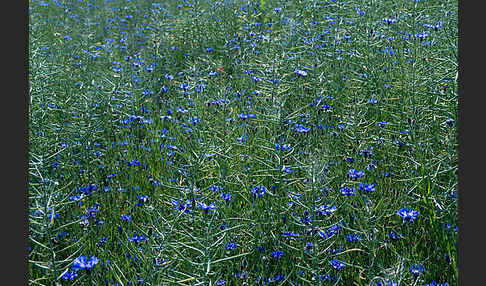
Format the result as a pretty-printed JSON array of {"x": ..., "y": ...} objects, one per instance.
[{"x": 306, "y": 142}]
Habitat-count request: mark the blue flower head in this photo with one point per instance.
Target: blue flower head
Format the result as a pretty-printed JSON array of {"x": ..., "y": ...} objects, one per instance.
[
  {"x": 259, "y": 191},
  {"x": 182, "y": 206},
  {"x": 354, "y": 174},
  {"x": 449, "y": 122},
  {"x": 348, "y": 191},
  {"x": 290, "y": 234},
  {"x": 408, "y": 214},
  {"x": 83, "y": 262},
  {"x": 231, "y": 246},
  {"x": 387, "y": 283},
  {"x": 370, "y": 188},
  {"x": 137, "y": 238},
  {"x": 69, "y": 275},
  {"x": 434, "y": 283},
  {"x": 416, "y": 269},
  {"x": 300, "y": 128},
  {"x": 277, "y": 254},
  {"x": 301, "y": 72},
  {"x": 206, "y": 207},
  {"x": 422, "y": 36},
  {"x": 336, "y": 264},
  {"x": 226, "y": 197},
  {"x": 126, "y": 217},
  {"x": 389, "y": 20}
]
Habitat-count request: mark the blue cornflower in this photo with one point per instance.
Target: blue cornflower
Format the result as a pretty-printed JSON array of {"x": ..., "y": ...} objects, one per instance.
[
  {"x": 126, "y": 217},
  {"x": 306, "y": 219},
  {"x": 408, "y": 214},
  {"x": 433, "y": 283},
  {"x": 206, "y": 207},
  {"x": 69, "y": 275},
  {"x": 366, "y": 153},
  {"x": 52, "y": 216},
  {"x": 416, "y": 269},
  {"x": 329, "y": 232},
  {"x": 367, "y": 187},
  {"x": 290, "y": 234},
  {"x": 181, "y": 110},
  {"x": 182, "y": 206},
  {"x": 354, "y": 174},
  {"x": 348, "y": 191},
  {"x": 301, "y": 128},
  {"x": 259, "y": 191},
  {"x": 382, "y": 123},
  {"x": 169, "y": 77},
  {"x": 324, "y": 210},
  {"x": 387, "y": 283},
  {"x": 349, "y": 159},
  {"x": 389, "y": 20},
  {"x": 102, "y": 241},
  {"x": 287, "y": 170},
  {"x": 83, "y": 262},
  {"x": 301, "y": 72},
  {"x": 373, "y": 100},
  {"x": 76, "y": 197},
  {"x": 277, "y": 254},
  {"x": 184, "y": 86},
  {"x": 422, "y": 36},
  {"x": 215, "y": 188},
  {"x": 336, "y": 264},
  {"x": 194, "y": 120},
  {"x": 284, "y": 147},
  {"x": 226, "y": 197},
  {"x": 276, "y": 278},
  {"x": 147, "y": 92},
  {"x": 449, "y": 122},
  {"x": 60, "y": 235},
  {"x": 256, "y": 78},
  {"x": 142, "y": 199},
  {"x": 393, "y": 235},
  {"x": 387, "y": 174},
  {"x": 137, "y": 238},
  {"x": 309, "y": 245},
  {"x": 246, "y": 115},
  {"x": 353, "y": 237},
  {"x": 231, "y": 246}
]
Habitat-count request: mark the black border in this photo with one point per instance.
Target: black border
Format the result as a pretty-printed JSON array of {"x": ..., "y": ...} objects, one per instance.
[
  {"x": 15, "y": 137},
  {"x": 469, "y": 117}
]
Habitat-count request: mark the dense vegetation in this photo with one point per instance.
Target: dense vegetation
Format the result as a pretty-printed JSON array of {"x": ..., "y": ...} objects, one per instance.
[{"x": 243, "y": 142}]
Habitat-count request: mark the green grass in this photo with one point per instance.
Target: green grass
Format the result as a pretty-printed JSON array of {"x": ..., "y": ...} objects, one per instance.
[{"x": 103, "y": 75}]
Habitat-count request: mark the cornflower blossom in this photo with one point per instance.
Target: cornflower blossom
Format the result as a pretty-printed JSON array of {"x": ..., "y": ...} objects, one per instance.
[
  {"x": 206, "y": 207},
  {"x": 408, "y": 214},
  {"x": 259, "y": 191},
  {"x": 416, "y": 269},
  {"x": 82, "y": 262},
  {"x": 348, "y": 191},
  {"x": 354, "y": 174},
  {"x": 336, "y": 264},
  {"x": 301, "y": 72},
  {"x": 277, "y": 254},
  {"x": 370, "y": 188}
]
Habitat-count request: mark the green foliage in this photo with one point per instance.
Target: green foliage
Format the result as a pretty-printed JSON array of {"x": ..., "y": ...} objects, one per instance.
[{"x": 114, "y": 174}]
